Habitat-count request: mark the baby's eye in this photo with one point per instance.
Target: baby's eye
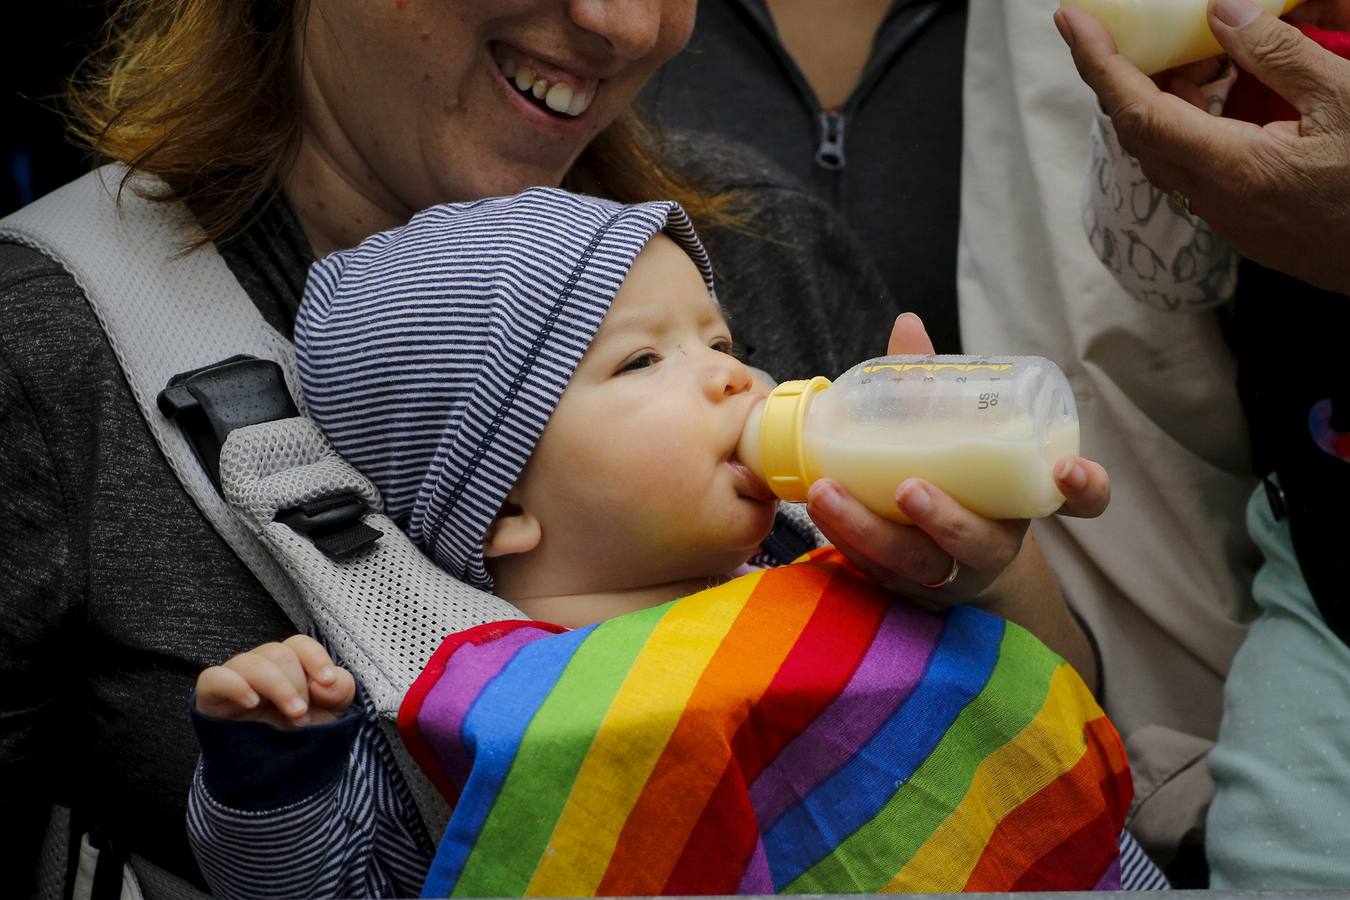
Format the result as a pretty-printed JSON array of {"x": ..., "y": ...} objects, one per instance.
[
  {"x": 643, "y": 360},
  {"x": 727, "y": 346}
]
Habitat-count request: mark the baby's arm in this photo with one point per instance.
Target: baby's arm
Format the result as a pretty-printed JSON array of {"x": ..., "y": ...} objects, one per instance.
[
  {"x": 1160, "y": 253},
  {"x": 298, "y": 798}
]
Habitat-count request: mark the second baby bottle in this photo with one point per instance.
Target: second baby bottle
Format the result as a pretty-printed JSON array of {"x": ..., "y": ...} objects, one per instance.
[
  {"x": 1160, "y": 34},
  {"x": 986, "y": 431}
]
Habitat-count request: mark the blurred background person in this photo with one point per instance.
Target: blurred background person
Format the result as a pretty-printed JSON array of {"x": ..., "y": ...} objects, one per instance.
[
  {"x": 1278, "y": 194},
  {"x": 952, "y": 137}
]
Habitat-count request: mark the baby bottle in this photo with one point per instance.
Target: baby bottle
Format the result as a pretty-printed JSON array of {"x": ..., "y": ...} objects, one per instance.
[
  {"x": 986, "y": 431},
  {"x": 1160, "y": 34}
]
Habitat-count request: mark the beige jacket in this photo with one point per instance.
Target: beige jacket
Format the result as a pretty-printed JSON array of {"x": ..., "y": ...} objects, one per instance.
[{"x": 1163, "y": 577}]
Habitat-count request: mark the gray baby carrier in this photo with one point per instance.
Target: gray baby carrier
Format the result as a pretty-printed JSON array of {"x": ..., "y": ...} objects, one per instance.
[{"x": 306, "y": 523}]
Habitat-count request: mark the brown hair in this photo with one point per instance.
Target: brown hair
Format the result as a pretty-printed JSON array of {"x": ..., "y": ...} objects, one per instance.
[
  {"x": 624, "y": 162},
  {"x": 203, "y": 94}
]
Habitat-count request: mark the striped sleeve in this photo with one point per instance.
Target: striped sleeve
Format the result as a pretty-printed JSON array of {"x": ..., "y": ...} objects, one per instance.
[
  {"x": 359, "y": 835},
  {"x": 1137, "y": 871}
]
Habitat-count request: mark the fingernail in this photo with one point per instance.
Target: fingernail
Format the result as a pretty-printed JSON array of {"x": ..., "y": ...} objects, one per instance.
[
  {"x": 908, "y": 315},
  {"x": 1236, "y": 13},
  {"x": 914, "y": 500},
  {"x": 826, "y": 498},
  {"x": 252, "y": 700},
  {"x": 1065, "y": 31},
  {"x": 327, "y": 675},
  {"x": 1071, "y": 474},
  {"x": 295, "y": 706}
]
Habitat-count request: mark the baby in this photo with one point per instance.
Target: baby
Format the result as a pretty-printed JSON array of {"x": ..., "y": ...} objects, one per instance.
[
  {"x": 544, "y": 390},
  {"x": 433, "y": 357}
]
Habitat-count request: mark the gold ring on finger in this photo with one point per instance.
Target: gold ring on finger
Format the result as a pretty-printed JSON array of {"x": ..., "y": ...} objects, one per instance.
[{"x": 951, "y": 576}]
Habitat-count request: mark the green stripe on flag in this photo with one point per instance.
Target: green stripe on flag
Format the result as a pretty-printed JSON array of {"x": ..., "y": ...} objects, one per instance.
[
  {"x": 871, "y": 856},
  {"x": 517, "y": 830}
]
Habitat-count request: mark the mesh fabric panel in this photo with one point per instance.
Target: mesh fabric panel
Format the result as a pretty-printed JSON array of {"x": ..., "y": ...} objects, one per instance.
[{"x": 384, "y": 610}]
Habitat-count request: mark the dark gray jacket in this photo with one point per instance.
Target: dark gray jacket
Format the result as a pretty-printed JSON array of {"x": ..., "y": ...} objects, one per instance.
[{"x": 889, "y": 160}]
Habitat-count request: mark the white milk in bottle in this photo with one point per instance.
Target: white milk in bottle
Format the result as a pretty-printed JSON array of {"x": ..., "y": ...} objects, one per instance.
[
  {"x": 986, "y": 431},
  {"x": 1161, "y": 34}
]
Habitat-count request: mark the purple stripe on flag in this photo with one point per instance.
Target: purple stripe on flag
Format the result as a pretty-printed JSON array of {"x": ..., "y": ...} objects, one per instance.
[
  {"x": 450, "y": 699},
  {"x": 757, "y": 880},
  {"x": 893, "y": 666},
  {"x": 1110, "y": 880}
]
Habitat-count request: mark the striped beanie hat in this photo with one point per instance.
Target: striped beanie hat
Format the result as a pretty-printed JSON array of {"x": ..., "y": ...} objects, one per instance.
[{"x": 433, "y": 355}]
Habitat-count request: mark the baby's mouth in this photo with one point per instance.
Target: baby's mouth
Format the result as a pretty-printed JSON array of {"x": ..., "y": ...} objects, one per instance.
[
  {"x": 751, "y": 485},
  {"x": 547, "y": 86}
]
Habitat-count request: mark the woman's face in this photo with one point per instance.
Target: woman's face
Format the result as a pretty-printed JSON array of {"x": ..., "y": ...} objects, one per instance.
[{"x": 415, "y": 102}]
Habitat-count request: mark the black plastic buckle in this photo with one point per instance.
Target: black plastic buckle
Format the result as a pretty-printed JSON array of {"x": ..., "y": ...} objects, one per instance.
[
  {"x": 210, "y": 402},
  {"x": 333, "y": 524}
]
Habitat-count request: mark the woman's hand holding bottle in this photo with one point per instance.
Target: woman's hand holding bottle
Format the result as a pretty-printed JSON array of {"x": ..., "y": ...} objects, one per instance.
[{"x": 951, "y": 555}]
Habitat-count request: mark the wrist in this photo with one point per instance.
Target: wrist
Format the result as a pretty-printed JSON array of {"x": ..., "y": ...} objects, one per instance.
[
  {"x": 255, "y": 766},
  {"x": 1027, "y": 594},
  {"x": 1019, "y": 591}
]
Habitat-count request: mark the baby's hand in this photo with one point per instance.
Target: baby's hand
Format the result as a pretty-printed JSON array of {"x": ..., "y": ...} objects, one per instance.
[{"x": 286, "y": 685}]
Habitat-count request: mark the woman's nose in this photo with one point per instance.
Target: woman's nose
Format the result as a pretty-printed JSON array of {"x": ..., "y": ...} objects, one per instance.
[{"x": 630, "y": 27}]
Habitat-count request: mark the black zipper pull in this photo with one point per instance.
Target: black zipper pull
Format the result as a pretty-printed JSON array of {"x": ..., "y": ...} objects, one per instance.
[{"x": 830, "y": 153}]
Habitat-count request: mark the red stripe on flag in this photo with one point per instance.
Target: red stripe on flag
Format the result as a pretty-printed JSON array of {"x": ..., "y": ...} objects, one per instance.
[
  {"x": 1052, "y": 841},
  {"x": 831, "y": 646}
]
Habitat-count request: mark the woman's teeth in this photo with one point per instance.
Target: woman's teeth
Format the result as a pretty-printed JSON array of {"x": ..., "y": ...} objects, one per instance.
[{"x": 560, "y": 98}]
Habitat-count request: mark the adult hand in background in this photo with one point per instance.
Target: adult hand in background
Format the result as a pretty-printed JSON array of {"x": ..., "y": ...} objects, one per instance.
[
  {"x": 1279, "y": 193},
  {"x": 1205, "y": 84}
]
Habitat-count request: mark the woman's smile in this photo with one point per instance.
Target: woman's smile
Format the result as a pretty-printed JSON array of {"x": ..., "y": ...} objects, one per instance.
[{"x": 564, "y": 91}]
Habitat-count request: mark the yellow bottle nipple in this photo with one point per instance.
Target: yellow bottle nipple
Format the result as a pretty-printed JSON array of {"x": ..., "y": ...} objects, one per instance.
[{"x": 772, "y": 446}]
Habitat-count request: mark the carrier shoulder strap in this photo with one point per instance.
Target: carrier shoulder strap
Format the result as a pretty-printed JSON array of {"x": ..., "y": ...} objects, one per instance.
[
  {"x": 164, "y": 312},
  {"x": 385, "y": 608}
]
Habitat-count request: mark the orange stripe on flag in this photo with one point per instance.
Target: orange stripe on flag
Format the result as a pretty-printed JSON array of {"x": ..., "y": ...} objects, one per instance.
[{"x": 686, "y": 775}]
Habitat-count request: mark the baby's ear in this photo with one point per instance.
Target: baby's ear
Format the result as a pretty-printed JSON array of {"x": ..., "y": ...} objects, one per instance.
[{"x": 513, "y": 531}]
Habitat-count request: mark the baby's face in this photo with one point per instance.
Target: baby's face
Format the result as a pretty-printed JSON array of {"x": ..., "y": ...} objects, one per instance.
[{"x": 635, "y": 477}]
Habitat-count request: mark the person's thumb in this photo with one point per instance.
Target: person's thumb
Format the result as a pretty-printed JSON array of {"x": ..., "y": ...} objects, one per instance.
[
  {"x": 1310, "y": 77},
  {"x": 909, "y": 337}
]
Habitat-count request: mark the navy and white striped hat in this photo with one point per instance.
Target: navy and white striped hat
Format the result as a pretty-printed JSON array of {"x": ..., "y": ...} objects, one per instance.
[{"x": 433, "y": 355}]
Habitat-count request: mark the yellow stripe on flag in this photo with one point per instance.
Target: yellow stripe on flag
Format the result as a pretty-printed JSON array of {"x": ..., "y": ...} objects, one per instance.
[
  {"x": 632, "y": 736},
  {"x": 1037, "y": 756}
]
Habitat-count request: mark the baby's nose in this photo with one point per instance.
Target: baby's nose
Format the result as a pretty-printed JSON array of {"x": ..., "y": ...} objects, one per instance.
[{"x": 729, "y": 376}]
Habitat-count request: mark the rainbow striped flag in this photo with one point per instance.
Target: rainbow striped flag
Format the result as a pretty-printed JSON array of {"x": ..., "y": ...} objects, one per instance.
[{"x": 795, "y": 730}]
